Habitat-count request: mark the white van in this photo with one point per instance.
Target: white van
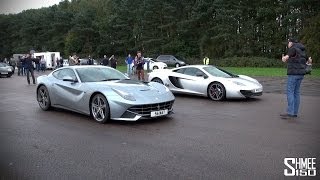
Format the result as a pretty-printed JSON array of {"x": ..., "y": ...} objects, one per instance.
[{"x": 49, "y": 57}]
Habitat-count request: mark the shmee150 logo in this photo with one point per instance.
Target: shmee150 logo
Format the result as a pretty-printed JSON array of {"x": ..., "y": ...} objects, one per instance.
[{"x": 300, "y": 167}]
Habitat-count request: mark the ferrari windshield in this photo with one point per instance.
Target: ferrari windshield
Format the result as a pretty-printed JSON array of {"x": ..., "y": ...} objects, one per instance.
[
  {"x": 214, "y": 71},
  {"x": 96, "y": 74}
]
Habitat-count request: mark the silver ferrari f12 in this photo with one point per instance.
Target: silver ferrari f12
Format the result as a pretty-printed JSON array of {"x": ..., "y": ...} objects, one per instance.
[
  {"x": 206, "y": 80},
  {"x": 104, "y": 93}
]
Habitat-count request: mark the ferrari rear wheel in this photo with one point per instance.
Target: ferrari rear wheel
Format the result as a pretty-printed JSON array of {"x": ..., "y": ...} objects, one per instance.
[
  {"x": 43, "y": 98},
  {"x": 158, "y": 80},
  {"x": 216, "y": 91},
  {"x": 100, "y": 108}
]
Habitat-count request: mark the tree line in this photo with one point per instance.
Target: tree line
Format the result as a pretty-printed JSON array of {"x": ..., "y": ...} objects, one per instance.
[{"x": 188, "y": 28}]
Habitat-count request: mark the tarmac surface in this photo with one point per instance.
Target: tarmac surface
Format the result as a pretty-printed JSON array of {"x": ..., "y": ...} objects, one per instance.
[{"x": 234, "y": 139}]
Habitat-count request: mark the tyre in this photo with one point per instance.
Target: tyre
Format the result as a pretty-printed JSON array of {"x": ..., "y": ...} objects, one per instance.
[
  {"x": 177, "y": 65},
  {"x": 216, "y": 91},
  {"x": 158, "y": 80},
  {"x": 155, "y": 67},
  {"x": 99, "y": 108},
  {"x": 43, "y": 98}
]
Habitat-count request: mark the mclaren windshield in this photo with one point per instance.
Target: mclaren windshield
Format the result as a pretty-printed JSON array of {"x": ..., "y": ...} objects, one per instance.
[{"x": 214, "y": 71}]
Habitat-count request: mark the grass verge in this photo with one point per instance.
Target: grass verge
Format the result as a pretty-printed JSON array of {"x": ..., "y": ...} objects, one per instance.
[{"x": 253, "y": 71}]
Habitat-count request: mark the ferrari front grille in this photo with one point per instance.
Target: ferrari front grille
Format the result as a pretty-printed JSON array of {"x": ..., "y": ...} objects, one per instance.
[{"x": 146, "y": 109}]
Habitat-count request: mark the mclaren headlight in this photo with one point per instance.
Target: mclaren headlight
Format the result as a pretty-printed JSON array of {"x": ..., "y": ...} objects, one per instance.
[
  {"x": 238, "y": 83},
  {"x": 124, "y": 95}
]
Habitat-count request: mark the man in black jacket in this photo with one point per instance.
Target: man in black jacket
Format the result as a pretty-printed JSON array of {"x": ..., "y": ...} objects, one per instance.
[
  {"x": 105, "y": 61},
  {"x": 30, "y": 68},
  {"x": 296, "y": 63}
]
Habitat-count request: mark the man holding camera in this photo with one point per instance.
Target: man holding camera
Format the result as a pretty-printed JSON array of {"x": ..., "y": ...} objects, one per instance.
[{"x": 296, "y": 59}]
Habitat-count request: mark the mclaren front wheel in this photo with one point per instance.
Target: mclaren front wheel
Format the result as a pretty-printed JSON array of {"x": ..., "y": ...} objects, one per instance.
[{"x": 216, "y": 91}]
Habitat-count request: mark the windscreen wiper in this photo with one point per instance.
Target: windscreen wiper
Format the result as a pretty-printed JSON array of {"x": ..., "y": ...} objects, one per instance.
[{"x": 111, "y": 79}]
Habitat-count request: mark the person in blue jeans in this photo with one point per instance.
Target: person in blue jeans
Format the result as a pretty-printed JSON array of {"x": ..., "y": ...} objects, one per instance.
[
  {"x": 129, "y": 61},
  {"x": 29, "y": 68},
  {"x": 296, "y": 64}
]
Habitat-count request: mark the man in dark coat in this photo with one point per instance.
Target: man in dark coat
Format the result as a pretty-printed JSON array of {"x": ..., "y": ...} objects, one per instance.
[
  {"x": 105, "y": 61},
  {"x": 30, "y": 68},
  {"x": 113, "y": 62},
  {"x": 296, "y": 59}
]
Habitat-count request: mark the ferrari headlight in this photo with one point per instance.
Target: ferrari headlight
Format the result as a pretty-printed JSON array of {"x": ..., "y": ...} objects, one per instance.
[
  {"x": 238, "y": 83},
  {"x": 124, "y": 95}
]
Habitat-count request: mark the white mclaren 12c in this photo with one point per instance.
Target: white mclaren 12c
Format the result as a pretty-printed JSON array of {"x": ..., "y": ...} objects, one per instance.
[{"x": 208, "y": 81}]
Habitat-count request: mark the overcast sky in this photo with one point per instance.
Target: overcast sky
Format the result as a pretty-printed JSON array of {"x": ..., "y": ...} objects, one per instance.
[{"x": 17, "y": 6}]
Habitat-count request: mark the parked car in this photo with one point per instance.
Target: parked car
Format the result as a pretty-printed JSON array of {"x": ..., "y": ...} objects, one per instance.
[
  {"x": 171, "y": 60},
  {"x": 6, "y": 70},
  {"x": 153, "y": 64},
  {"x": 208, "y": 81},
  {"x": 65, "y": 63},
  {"x": 104, "y": 93},
  {"x": 86, "y": 61}
]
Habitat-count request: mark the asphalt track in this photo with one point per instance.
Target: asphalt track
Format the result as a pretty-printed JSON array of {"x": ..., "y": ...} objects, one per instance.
[{"x": 234, "y": 139}]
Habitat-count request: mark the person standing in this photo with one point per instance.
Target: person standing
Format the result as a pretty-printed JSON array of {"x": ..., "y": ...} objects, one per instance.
[
  {"x": 309, "y": 66},
  {"x": 71, "y": 61},
  {"x": 61, "y": 62},
  {"x": 29, "y": 67},
  {"x": 296, "y": 59},
  {"x": 129, "y": 61},
  {"x": 56, "y": 63},
  {"x": 42, "y": 64},
  {"x": 206, "y": 60},
  {"x": 37, "y": 61},
  {"x": 90, "y": 60},
  {"x": 12, "y": 63},
  {"x": 113, "y": 62},
  {"x": 139, "y": 66},
  {"x": 105, "y": 61},
  {"x": 23, "y": 63},
  {"x": 19, "y": 66}
]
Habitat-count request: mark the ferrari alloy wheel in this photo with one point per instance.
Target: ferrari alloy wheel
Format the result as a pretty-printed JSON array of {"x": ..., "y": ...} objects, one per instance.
[
  {"x": 100, "y": 108},
  {"x": 216, "y": 91},
  {"x": 155, "y": 67},
  {"x": 158, "y": 80},
  {"x": 43, "y": 98}
]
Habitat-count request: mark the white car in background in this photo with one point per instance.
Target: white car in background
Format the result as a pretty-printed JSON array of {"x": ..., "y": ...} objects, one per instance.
[
  {"x": 153, "y": 64},
  {"x": 65, "y": 63},
  {"x": 208, "y": 81}
]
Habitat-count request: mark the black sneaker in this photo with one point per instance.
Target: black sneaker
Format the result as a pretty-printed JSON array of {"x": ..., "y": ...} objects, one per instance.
[{"x": 287, "y": 116}]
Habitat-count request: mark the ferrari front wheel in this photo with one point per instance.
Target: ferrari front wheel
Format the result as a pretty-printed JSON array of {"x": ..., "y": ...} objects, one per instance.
[
  {"x": 216, "y": 91},
  {"x": 43, "y": 98},
  {"x": 100, "y": 110}
]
